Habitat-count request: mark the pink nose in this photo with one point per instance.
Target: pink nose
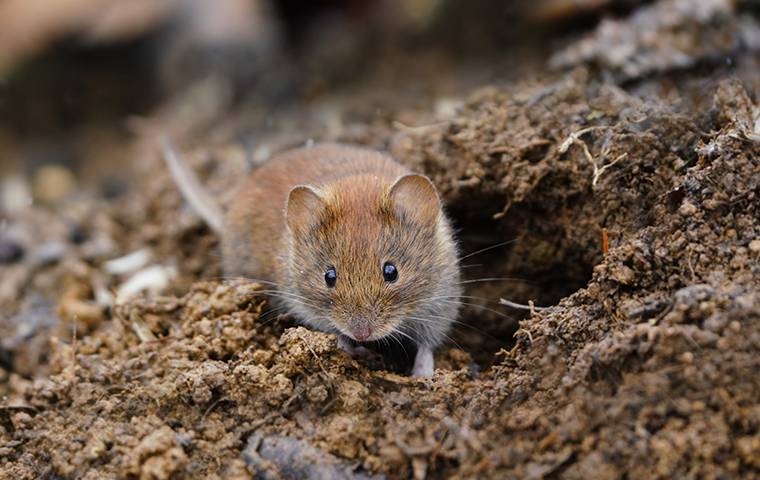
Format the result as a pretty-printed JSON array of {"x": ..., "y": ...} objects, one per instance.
[{"x": 361, "y": 332}]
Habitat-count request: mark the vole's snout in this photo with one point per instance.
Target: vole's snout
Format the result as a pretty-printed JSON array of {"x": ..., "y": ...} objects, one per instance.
[{"x": 361, "y": 328}]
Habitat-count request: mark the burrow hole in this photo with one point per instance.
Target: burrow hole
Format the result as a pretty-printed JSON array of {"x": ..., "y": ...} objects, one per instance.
[{"x": 540, "y": 262}]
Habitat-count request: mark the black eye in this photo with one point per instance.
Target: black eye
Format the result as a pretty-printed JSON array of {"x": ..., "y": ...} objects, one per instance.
[
  {"x": 390, "y": 273},
  {"x": 330, "y": 276}
]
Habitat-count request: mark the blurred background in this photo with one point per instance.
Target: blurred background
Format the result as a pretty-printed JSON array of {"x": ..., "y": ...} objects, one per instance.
[{"x": 80, "y": 80}]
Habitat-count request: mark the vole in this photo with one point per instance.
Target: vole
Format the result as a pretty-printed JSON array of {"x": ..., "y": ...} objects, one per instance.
[{"x": 354, "y": 243}]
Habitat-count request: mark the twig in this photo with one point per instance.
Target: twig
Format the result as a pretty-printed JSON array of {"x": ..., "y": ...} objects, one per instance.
[
  {"x": 418, "y": 129},
  {"x": 141, "y": 330},
  {"x": 532, "y": 309},
  {"x": 599, "y": 171},
  {"x": 520, "y": 306},
  {"x": 191, "y": 188},
  {"x": 526, "y": 332},
  {"x": 330, "y": 385},
  {"x": 574, "y": 138},
  {"x": 211, "y": 407},
  {"x": 513, "y": 351},
  {"x": 411, "y": 451},
  {"x": 319, "y": 361}
]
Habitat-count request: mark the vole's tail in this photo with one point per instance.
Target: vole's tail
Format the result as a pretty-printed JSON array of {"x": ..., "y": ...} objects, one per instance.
[{"x": 191, "y": 188}]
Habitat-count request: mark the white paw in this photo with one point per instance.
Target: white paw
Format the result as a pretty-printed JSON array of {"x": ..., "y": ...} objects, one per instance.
[{"x": 423, "y": 362}]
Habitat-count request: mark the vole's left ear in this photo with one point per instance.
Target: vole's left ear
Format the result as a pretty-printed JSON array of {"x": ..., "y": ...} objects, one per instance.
[
  {"x": 304, "y": 209},
  {"x": 414, "y": 196}
]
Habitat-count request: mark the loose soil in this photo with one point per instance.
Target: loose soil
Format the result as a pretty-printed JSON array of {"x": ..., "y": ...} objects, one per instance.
[{"x": 629, "y": 212}]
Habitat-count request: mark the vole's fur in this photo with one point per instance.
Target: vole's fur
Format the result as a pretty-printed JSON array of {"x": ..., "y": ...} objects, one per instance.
[{"x": 351, "y": 209}]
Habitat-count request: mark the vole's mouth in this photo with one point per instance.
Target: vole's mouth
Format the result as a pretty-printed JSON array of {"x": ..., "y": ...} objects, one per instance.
[
  {"x": 396, "y": 348},
  {"x": 363, "y": 338},
  {"x": 367, "y": 333}
]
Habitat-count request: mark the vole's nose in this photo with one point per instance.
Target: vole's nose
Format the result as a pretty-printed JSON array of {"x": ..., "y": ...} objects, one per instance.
[{"x": 361, "y": 331}]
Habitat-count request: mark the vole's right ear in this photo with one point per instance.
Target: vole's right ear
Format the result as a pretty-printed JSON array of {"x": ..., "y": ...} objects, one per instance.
[
  {"x": 414, "y": 196},
  {"x": 305, "y": 208}
]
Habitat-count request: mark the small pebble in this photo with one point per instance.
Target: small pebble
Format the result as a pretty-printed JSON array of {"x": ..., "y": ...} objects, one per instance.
[
  {"x": 53, "y": 183},
  {"x": 623, "y": 274},
  {"x": 687, "y": 209},
  {"x": 152, "y": 279},
  {"x": 447, "y": 107},
  {"x": 77, "y": 235},
  {"x": 50, "y": 253},
  {"x": 15, "y": 194},
  {"x": 754, "y": 245},
  {"x": 128, "y": 263},
  {"x": 6, "y": 360},
  {"x": 113, "y": 187},
  {"x": 10, "y": 252}
]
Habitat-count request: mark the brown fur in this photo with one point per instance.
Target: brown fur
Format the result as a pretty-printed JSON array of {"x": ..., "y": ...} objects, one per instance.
[{"x": 355, "y": 210}]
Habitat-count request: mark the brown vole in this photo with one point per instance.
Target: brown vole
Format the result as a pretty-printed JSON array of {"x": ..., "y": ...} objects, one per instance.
[{"x": 353, "y": 242}]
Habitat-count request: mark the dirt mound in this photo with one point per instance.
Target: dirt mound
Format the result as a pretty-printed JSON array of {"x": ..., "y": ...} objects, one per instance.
[
  {"x": 643, "y": 220},
  {"x": 627, "y": 215}
]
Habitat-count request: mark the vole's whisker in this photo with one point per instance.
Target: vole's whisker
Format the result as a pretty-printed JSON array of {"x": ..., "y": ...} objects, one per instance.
[
  {"x": 401, "y": 332},
  {"x": 447, "y": 297},
  {"x": 451, "y": 340},
  {"x": 494, "y": 279},
  {"x": 249, "y": 279},
  {"x": 401, "y": 344},
  {"x": 482, "y": 250},
  {"x": 501, "y": 314},
  {"x": 270, "y": 316},
  {"x": 429, "y": 321},
  {"x": 282, "y": 293},
  {"x": 434, "y": 321},
  {"x": 456, "y": 323},
  {"x": 294, "y": 300},
  {"x": 472, "y": 265}
]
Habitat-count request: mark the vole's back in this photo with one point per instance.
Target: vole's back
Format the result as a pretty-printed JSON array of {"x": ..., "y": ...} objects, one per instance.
[{"x": 254, "y": 224}]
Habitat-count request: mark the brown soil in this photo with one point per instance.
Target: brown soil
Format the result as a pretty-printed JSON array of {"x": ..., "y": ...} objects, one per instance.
[{"x": 646, "y": 363}]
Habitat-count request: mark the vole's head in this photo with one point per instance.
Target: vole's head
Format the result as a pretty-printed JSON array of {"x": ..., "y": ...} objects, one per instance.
[{"x": 372, "y": 259}]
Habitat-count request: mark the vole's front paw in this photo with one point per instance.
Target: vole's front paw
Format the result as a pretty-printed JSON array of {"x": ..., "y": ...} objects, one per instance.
[{"x": 423, "y": 362}]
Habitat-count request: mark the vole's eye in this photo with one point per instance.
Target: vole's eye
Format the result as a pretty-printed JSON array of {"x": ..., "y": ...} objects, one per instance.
[
  {"x": 330, "y": 277},
  {"x": 390, "y": 273}
]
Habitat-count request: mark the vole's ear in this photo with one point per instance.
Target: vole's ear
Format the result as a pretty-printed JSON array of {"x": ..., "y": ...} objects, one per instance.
[
  {"x": 305, "y": 208},
  {"x": 414, "y": 196}
]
